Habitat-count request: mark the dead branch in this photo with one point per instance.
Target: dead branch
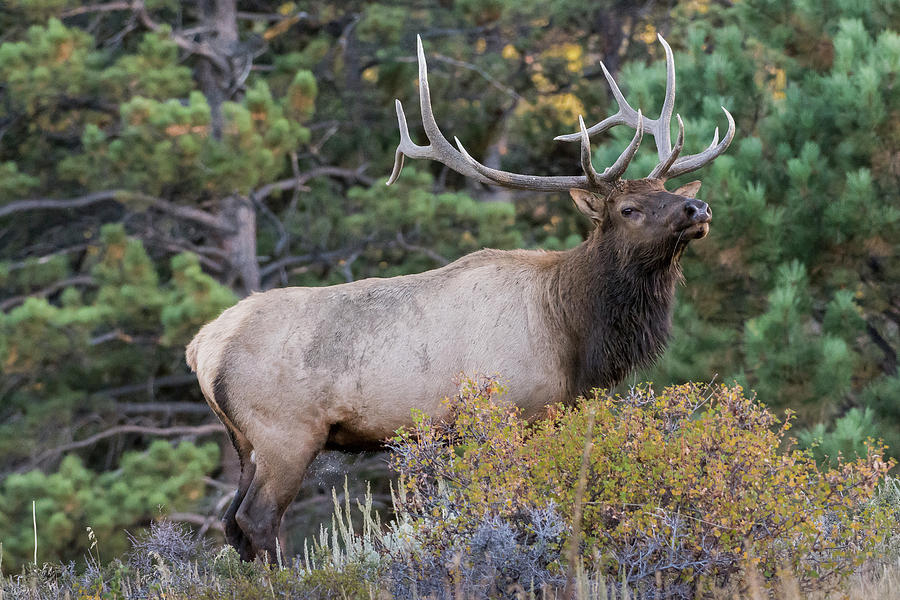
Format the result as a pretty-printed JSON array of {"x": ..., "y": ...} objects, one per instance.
[
  {"x": 302, "y": 178},
  {"x": 41, "y": 260},
  {"x": 219, "y": 485},
  {"x": 183, "y": 212},
  {"x": 95, "y": 8},
  {"x": 202, "y": 252},
  {"x": 402, "y": 243},
  {"x": 118, "y": 334},
  {"x": 85, "y": 280},
  {"x": 202, "y": 49},
  {"x": 198, "y": 430},
  {"x": 206, "y": 522},
  {"x": 52, "y": 203},
  {"x": 137, "y": 408},
  {"x": 150, "y": 386},
  {"x": 317, "y": 257}
]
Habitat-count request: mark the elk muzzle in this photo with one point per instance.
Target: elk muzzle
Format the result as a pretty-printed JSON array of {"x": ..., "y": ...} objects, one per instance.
[{"x": 697, "y": 215}]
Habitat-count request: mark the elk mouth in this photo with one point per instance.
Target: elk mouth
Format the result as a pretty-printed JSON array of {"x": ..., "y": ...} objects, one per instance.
[
  {"x": 694, "y": 230},
  {"x": 697, "y": 231}
]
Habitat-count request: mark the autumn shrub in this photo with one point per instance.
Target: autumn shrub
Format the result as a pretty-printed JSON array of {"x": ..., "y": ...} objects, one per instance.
[{"x": 682, "y": 485}]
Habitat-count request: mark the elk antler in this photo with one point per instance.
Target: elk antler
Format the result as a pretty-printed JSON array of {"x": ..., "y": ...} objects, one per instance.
[
  {"x": 669, "y": 164},
  {"x": 439, "y": 149}
]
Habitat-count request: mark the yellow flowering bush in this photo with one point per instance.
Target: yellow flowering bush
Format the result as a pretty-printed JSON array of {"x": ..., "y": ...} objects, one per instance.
[{"x": 686, "y": 482}]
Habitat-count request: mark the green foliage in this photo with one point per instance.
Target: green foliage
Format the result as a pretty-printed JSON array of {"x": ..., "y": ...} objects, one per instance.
[
  {"x": 681, "y": 483},
  {"x": 168, "y": 143},
  {"x": 13, "y": 183},
  {"x": 850, "y": 436},
  {"x": 154, "y": 71},
  {"x": 453, "y": 224},
  {"x": 61, "y": 353},
  {"x": 51, "y": 60},
  {"x": 146, "y": 485}
]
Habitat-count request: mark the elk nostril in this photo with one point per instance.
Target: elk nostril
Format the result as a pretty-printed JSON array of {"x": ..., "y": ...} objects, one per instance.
[{"x": 696, "y": 210}]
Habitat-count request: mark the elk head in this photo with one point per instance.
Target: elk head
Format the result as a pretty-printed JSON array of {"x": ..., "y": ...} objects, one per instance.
[{"x": 640, "y": 213}]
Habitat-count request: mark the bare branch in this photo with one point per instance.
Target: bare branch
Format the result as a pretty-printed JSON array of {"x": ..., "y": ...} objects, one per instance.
[
  {"x": 206, "y": 522},
  {"x": 118, "y": 334},
  {"x": 52, "y": 203},
  {"x": 41, "y": 260},
  {"x": 219, "y": 485},
  {"x": 199, "y": 430},
  {"x": 183, "y": 212},
  {"x": 317, "y": 257},
  {"x": 401, "y": 242},
  {"x": 86, "y": 280},
  {"x": 201, "y": 251},
  {"x": 201, "y": 49},
  {"x": 182, "y": 408},
  {"x": 150, "y": 386},
  {"x": 302, "y": 178},
  {"x": 96, "y": 8},
  {"x": 264, "y": 17}
]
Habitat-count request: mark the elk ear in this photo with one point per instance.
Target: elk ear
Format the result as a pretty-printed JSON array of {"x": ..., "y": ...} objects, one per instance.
[
  {"x": 688, "y": 190},
  {"x": 589, "y": 204}
]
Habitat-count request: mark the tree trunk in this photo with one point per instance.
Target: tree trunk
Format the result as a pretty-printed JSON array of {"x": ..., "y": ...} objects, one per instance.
[
  {"x": 218, "y": 85},
  {"x": 239, "y": 214},
  {"x": 220, "y": 16}
]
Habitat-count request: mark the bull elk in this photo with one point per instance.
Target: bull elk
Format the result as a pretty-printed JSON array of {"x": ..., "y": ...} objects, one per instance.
[{"x": 293, "y": 371}]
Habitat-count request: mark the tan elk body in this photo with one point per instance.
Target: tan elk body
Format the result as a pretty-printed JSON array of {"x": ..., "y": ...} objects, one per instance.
[{"x": 292, "y": 371}]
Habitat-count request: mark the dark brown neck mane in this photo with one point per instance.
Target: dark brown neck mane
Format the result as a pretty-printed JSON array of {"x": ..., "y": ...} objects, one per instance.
[{"x": 616, "y": 305}]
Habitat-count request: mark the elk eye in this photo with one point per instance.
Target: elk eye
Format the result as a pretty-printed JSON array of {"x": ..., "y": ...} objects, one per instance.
[{"x": 626, "y": 212}]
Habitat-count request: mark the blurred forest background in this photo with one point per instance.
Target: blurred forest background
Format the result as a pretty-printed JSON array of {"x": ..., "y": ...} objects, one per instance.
[{"x": 159, "y": 160}]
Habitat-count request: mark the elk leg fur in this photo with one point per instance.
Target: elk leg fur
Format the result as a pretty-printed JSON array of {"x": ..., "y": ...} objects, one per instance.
[{"x": 276, "y": 481}]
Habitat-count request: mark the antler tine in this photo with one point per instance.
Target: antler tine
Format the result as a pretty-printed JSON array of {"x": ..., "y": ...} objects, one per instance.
[
  {"x": 686, "y": 164},
  {"x": 405, "y": 143},
  {"x": 660, "y": 170},
  {"x": 439, "y": 148},
  {"x": 626, "y": 115},
  {"x": 669, "y": 165},
  {"x": 616, "y": 170},
  {"x": 662, "y": 129},
  {"x": 586, "y": 165}
]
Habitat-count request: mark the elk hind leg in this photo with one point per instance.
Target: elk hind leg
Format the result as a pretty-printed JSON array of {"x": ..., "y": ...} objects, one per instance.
[
  {"x": 234, "y": 535},
  {"x": 275, "y": 483}
]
